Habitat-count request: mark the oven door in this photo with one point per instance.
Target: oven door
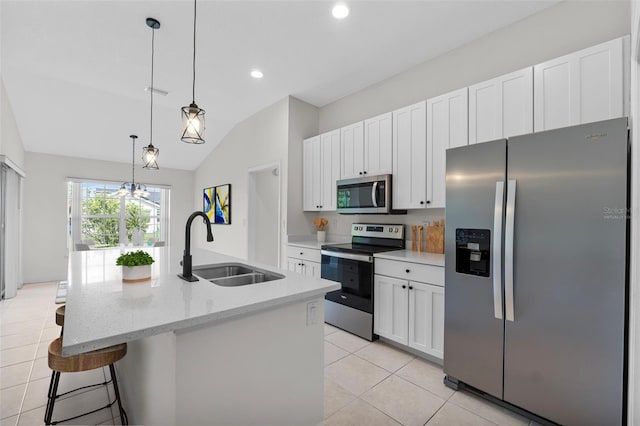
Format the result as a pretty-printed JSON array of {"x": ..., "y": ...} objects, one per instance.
[
  {"x": 364, "y": 195},
  {"x": 355, "y": 273}
]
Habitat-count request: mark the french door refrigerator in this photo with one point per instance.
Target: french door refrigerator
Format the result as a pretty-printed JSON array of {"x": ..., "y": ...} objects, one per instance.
[{"x": 536, "y": 250}]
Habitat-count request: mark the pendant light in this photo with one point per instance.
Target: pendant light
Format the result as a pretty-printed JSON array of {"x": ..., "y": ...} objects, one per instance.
[
  {"x": 132, "y": 188},
  {"x": 150, "y": 153},
  {"x": 192, "y": 116}
]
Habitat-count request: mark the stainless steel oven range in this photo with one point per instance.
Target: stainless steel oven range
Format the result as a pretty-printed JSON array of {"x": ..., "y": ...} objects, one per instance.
[{"x": 351, "y": 307}]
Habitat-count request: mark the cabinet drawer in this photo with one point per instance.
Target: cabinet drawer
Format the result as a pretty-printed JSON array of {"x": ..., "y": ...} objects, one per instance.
[
  {"x": 411, "y": 271},
  {"x": 312, "y": 255}
]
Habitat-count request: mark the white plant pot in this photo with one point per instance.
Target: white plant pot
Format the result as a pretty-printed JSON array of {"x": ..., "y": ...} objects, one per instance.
[
  {"x": 322, "y": 236},
  {"x": 136, "y": 274}
]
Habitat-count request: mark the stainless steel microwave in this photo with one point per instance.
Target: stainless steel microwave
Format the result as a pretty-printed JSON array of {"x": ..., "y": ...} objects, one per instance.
[{"x": 371, "y": 194}]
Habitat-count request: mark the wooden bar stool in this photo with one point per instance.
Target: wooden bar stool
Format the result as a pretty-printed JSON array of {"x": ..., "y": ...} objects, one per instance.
[
  {"x": 82, "y": 362},
  {"x": 60, "y": 318}
]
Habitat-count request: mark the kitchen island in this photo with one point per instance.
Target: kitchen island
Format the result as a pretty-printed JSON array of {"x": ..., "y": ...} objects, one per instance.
[{"x": 200, "y": 353}]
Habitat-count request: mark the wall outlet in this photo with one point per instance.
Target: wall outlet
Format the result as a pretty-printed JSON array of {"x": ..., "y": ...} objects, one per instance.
[{"x": 312, "y": 313}]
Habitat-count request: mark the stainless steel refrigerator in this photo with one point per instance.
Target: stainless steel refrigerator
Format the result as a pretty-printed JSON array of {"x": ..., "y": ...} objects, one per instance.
[{"x": 536, "y": 250}]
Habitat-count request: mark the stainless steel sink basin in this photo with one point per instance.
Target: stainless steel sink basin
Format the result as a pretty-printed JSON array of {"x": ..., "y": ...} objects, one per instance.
[
  {"x": 221, "y": 270},
  {"x": 234, "y": 274}
]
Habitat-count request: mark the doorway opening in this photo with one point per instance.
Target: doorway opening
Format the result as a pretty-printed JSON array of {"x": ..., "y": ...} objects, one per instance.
[{"x": 264, "y": 214}]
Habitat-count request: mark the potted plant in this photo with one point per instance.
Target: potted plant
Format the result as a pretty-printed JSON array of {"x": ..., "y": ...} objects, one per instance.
[{"x": 136, "y": 266}]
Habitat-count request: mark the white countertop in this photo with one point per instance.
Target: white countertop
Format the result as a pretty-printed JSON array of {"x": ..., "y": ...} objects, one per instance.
[
  {"x": 312, "y": 244},
  {"x": 102, "y": 311},
  {"x": 434, "y": 259}
]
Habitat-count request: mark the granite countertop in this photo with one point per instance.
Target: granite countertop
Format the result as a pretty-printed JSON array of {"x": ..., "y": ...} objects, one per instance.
[
  {"x": 102, "y": 311},
  {"x": 433, "y": 259}
]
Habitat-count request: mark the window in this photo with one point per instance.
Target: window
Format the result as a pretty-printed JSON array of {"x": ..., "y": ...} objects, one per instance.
[{"x": 99, "y": 218}]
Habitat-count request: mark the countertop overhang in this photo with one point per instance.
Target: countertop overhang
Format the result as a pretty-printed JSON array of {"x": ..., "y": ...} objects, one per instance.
[{"x": 102, "y": 311}]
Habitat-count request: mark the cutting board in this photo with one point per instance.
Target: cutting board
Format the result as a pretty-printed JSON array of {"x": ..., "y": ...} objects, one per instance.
[{"x": 435, "y": 237}]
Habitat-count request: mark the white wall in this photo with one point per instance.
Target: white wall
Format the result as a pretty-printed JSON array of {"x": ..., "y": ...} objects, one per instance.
[
  {"x": 258, "y": 140},
  {"x": 561, "y": 29},
  {"x": 45, "y": 206},
  {"x": 10, "y": 140},
  {"x": 266, "y": 223}
]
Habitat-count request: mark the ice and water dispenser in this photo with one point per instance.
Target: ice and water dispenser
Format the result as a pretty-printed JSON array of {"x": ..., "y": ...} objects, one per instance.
[{"x": 472, "y": 251}]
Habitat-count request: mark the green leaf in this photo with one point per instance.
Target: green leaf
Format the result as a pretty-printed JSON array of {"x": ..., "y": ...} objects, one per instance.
[{"x": 134, "y": 258}]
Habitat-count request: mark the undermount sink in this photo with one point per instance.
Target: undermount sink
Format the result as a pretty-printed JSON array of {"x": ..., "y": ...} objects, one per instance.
[{"x": 234, "y": 274}]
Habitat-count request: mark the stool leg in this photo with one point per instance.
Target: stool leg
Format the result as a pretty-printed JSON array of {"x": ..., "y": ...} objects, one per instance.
[
  {"x": 123, "y": 415},
  {"x": 53, "y": 390}
]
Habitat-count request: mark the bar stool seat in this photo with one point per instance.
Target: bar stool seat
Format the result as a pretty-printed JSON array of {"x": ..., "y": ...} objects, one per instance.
[
  {"x": 60, "y": 316},
  {"x": 82, "y": 362}
]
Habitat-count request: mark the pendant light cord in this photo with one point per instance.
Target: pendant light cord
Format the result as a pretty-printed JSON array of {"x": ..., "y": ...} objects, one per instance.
[
  {"x": 133, "y": 163},
  {"x": 153, "y": 33},
  {"x": 193, "y": 91}
]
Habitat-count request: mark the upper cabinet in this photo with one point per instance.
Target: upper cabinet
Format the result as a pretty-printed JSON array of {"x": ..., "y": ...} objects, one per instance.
[
  {"x": 501, "y": 107},
  {"x": 366, "y": 147},
  {"x": 582, "y": 87},
  {"x": 446, "y": 128},
  {"x": 410, "y": 157},
  {"x": 321, "y": 170}
]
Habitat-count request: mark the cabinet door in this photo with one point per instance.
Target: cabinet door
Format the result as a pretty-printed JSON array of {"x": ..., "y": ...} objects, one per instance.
[
  {"x": 501, "y": 107},
  {"x": 410, "y": 157},
  {"x": 582, "y": 87},
  {"x": 312, "y": 269},
  {"x": 352, "y": 155},
  {"x": 446, "y": 128},
  {"x": 390, "y": 315},
  {"x": 378, "y": 145},
  {"x": 291, "y": 264},
  {"x": 330, "y": 169},
  {"x": 426, "y": 318},
  {"x": 312, "y": 166}
]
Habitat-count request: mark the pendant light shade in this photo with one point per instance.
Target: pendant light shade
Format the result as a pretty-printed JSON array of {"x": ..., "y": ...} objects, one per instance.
[
  {"x": 193, "y": 127},
  {"x": 150, "y": 153}
]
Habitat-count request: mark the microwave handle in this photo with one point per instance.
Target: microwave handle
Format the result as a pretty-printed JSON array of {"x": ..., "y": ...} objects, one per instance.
[{"x": 374, "y": 194}]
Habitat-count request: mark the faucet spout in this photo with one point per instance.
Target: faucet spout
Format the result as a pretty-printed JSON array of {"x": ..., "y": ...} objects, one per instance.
[{"x": 187, "y": 274}]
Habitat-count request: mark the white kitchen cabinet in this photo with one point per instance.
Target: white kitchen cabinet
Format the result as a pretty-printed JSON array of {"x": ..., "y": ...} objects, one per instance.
[
  {"x": 501, "y": 107},
  {"x": 407, "y": 311},
  {"x": 446, "y": 128},
  {"x": 321, "y": 169},
  {"x": 582, "y": 87},
  {"x": 391, "y": 304},
  {"x": 352, "y": 155},
  {"x": 410, "y": 157},
  {"x": 303, "y": 260},
  {"x": 367, "y": 147}
]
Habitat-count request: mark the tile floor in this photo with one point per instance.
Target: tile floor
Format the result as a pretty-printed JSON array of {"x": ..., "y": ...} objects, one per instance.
[{"x": 365, "y": 383}]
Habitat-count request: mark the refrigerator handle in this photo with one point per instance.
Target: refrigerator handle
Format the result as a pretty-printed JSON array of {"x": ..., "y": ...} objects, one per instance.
[
  {"x": 508, "y": 250},
  {"x": 497, "y": 251}
]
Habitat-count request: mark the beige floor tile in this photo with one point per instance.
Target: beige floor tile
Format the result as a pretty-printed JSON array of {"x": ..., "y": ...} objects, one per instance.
[
  {"x": 40, "y": 369},
  {"x": 43, "y": 349},
  {"x": 332, "y": 353},
  {"x": 359, "y": 413},
  {"x": 70, "y": 381},
  {"x": 335, "y": 397},
  {"x": 347, "y": 341},
  {"x": 20, "y": 327},
  {"x": 385, "y": 356},
  {"x": 16, "y": 316},
  {"x": 36, "y": 395},
  {"x": 49, "y": 334},
  {"x": 355, "y": 374},
  {"x": 328, "y": 329},
  {"x": 11, "y": 400},
  {"x": 32, "y": 417},
  {"x": 405, "y": 402},
  {"x": 450, "y": 414},
  {"x": 9, "y": 421},
  {"x": 17, "y": 355},
  {"x": 427, "y": 375},
  {"x": 15, "y": 374},
  {"x": 22, "y": 339},
  {"x": 483, "y": 408}
]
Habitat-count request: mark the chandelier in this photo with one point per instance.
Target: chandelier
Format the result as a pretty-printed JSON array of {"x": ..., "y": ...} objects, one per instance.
[{"x": 132, "y": 188}]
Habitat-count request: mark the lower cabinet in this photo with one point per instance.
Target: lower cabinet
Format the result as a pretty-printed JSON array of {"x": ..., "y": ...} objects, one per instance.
[
  {"x": 410, "y": 312},
  {"x": 304, "y": 260}
]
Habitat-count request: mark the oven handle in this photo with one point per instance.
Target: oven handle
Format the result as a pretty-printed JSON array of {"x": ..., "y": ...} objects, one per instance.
[{"x": 350, "y": 256}]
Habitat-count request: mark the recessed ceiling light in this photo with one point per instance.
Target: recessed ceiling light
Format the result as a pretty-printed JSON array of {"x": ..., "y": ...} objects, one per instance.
[
  {"x": 256, "y": 74},
  {"x": 340, "y": 11}
]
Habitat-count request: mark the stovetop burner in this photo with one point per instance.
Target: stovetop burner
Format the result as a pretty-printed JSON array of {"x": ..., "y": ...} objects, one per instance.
[{"x": 359, "y": 248}]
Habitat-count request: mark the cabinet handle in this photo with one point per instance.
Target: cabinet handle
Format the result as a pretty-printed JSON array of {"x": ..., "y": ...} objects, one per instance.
[
  {"x": 360, "y": 172},
  {"x": 410, "y": 287},
  {"x": 404, "y": 286},
  {"x": 407, "y": 270},
  {"x": 428, "y": 202},
  {"x": 421, "y": 202},
  {"x": 301, "y": 253},
  {"x": 364, "y": 173}
]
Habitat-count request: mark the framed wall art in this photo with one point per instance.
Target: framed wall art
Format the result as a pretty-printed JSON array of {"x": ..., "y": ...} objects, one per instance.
[{"x": 216, "y": 204}]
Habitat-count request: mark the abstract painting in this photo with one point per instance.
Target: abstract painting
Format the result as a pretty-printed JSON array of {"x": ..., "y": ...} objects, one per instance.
[
  {"x": 208, "y": 202},
  {"x": 223, "y": 204}
]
